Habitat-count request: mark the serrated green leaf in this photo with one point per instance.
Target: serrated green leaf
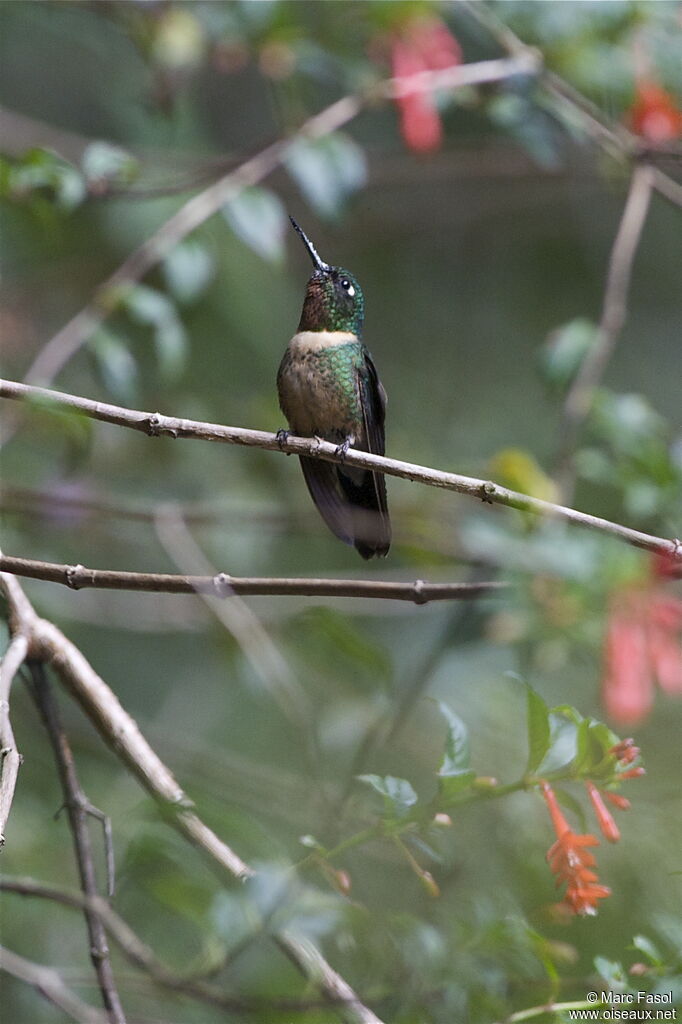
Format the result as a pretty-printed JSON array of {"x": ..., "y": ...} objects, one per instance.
[
  {"x": 537, "y": 716},
  {"x": 398, "y": 794},
  {"x": 327, "y": 170},
  {"x": 259, "y": 219},
  {"x": 456, "y": 754},
  {"x": 188, "y": 269}
]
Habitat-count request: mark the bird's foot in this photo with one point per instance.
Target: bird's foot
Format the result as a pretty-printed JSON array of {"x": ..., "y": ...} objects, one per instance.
[
  {"x": 342, "y": 449},
  {"x": 282, "y": 436}
]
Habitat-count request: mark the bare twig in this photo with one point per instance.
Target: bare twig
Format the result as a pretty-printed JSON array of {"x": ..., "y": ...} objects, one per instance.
[
  {"x": 49, "y": 984},
  {"x": 57, "y": 352},
  {"x": 142, "y": 956},
  {"x": 12, "y": 661},
  {"x": 121, "y": 733},
  {"x": 669, "y": 189},
  {"x": 78, "y": 808},
  {"x": 155, "y": 425},
  {"x": 221, "y": 585},
  {"x": 580, "y": 395}
]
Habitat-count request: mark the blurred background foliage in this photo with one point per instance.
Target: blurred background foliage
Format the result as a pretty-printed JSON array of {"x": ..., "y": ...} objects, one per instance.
[{"x": 483, "y": 265}]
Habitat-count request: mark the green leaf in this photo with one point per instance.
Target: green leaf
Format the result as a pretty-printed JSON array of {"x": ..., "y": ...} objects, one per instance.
[
  {"x": 612, "y": 972},
  {"x": 103, "y": 162},
  {"x": 565, "y": 349},
  {"x": 538, "y": 729},
  {"x": 398, "y": 794},
  {"x": 258, "y": 218},
  {"x": 451, "y": 786},
  {"x": 43, "y": 173},
  {"x": 154, "y": 309},
  {"x": 233, "y": 917},
  {"x": 646, "y": 946},
  {"x": 456, "y": 754},
  {"x": 188, "y": 270},
  {"x": 115, "y": 363},
  {"x": 327, "y": 170},
  {"x": 594, "y": 741}
]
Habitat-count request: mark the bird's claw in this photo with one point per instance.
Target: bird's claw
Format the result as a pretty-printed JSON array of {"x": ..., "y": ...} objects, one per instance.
[
  {"x": 282, "y": 436},
  {"x": 342, "y": 449}
]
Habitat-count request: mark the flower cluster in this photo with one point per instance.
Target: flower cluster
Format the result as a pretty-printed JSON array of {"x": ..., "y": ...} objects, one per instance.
[
  {"x": 570, "y": 857},
  {"x": 642, "y": 646},
  {"x": 572, "y": 862},
  {"x": 424, "y": 43}
]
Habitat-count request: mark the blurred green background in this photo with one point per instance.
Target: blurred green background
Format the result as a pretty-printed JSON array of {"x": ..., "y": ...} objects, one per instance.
[{"x": 469, "y": 259}]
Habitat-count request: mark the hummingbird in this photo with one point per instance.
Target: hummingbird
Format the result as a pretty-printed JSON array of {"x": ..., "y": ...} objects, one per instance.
[{"x": 328, "y": 387}]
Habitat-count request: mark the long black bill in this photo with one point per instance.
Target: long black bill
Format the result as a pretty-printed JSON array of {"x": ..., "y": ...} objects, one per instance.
[{"x": 317, "y": 262}]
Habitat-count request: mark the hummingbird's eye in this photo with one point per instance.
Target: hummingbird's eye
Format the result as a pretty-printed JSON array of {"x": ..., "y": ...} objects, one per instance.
[{"x": 347, "y": 286}]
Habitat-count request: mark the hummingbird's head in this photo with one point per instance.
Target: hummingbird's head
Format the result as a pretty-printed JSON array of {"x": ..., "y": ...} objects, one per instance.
[{"x": 333, "y": 298}]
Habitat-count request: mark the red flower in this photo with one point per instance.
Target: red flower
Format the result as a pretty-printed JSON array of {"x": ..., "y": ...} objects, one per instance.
[
  {"x": 642, "y": 647},
  {"x": 423, "y": 44},
  {"x": 654, "y": 115},
  {"x": 572, "y": 862}
]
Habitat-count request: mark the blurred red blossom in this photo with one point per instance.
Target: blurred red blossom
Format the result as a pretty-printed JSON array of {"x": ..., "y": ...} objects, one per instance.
[
  {"x": 655, "y": 115},
  {"x": 423, "y": 43},
  {"x": 572, "y": 862},
  {"x": 642, "y": 646}
]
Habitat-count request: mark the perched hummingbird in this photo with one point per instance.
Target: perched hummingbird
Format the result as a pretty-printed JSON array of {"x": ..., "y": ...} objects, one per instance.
[{"x": 328, "y": 387}]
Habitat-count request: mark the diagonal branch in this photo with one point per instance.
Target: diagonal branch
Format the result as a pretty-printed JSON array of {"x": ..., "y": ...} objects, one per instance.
[
  {"x": 143, "y": 957},
  {"x": 221, "y": 585},
  {"x": 78, "y": 809},
  {"x": 155, "y": 425},
  {"x": 49, "y": 984},
  {"x": 121, "y": 733}
]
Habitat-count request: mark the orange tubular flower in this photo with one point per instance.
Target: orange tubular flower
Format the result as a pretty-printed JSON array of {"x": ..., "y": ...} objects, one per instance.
[
  {"x": 642, "y": 647},
  {"x": 572, "y": 862},
  {"x": 604, "y": 817},
  {"x": 423, "y": 44}
]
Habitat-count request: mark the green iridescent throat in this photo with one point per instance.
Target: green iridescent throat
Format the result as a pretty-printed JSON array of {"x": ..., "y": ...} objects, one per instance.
[{"x": 329, "y": 307}]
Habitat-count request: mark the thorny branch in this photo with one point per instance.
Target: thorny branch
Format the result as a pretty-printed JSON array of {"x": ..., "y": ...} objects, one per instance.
[
  {"x": 120, "y": 732},
  {"x": 221, "y": 585},
  {"x": 155, "y": 425},
  {"x": 78, "y": 809}
]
